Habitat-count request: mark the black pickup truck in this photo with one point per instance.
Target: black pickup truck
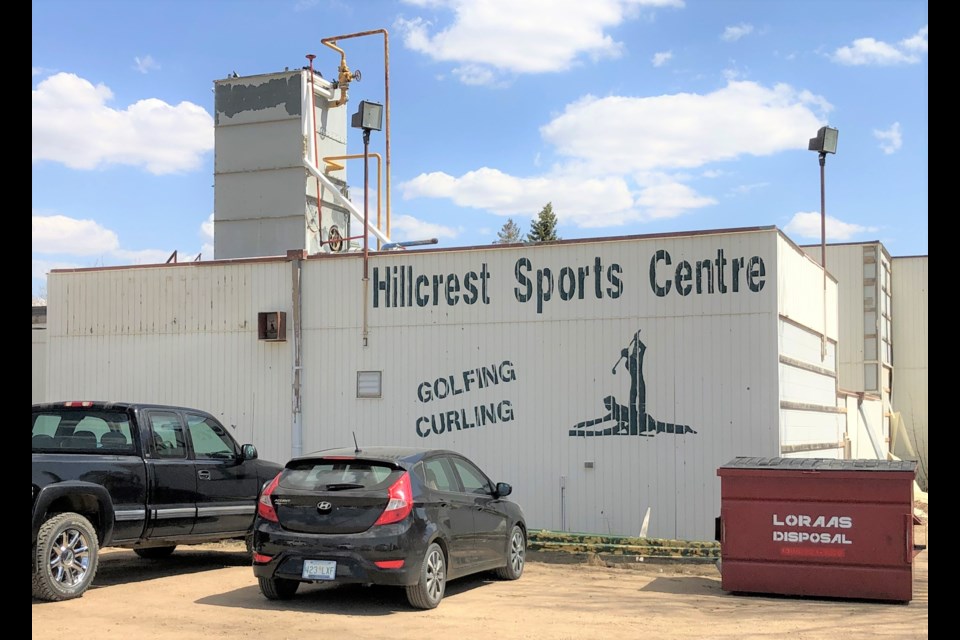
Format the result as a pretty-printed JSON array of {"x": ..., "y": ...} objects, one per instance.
[{"x": 146, "y": 477}]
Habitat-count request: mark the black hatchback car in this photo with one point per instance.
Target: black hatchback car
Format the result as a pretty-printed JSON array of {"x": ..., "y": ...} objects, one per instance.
[{"x": 407, "y": 517}]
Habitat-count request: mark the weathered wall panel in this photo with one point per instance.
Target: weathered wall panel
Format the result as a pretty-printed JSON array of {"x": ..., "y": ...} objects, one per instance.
[
  {"x": 574, "y": 343},
  {"x": 38, "y": 355},
  {"x": 911, "y": 360},
  {"x": 182, "y": 334}
]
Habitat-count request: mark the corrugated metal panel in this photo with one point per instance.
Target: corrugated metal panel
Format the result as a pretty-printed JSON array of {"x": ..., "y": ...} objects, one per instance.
[
  {"x": 497, "y": 352},
  {"x": 910, "y": 344},
  {"x": 38, "y": 356},
  {"x": 179, "y": 334},
  {"x": 710, "y": 363}
]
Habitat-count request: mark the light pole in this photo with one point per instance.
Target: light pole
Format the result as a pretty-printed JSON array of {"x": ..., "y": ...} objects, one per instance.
[
  {"x": 824, "y": 143},
  {"x": 369, "y": 117}
]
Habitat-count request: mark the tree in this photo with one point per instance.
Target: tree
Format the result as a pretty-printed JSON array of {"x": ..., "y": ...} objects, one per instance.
[
  {"x": 544, "y": 228},
  {"x": 509, "y": 233}
]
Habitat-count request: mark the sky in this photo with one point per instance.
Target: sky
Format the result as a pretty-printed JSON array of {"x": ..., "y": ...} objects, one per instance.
[{"x": 626, "y": 116}]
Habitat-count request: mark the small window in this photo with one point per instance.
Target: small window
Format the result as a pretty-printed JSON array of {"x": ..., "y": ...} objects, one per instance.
[
  {"x": 369, "y": 384},
  {"x": 472, "y": 478},
  {"x": 168, "y": 440}
]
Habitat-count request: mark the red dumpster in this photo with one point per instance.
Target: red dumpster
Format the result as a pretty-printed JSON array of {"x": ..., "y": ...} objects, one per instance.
[{"x": 817, "y": 527}]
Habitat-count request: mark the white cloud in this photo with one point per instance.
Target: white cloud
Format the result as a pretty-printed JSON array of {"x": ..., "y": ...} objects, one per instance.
[
  {"x": 744, "y": 189},
  {"x": 684, "y": 130},
  {"x": 72, "y": 124},
  {"x": 890, "y": 139},
  {"x": 58, "y": 234},
  {"x": 535, "y": 36},
  {"x": 593, "y": 188},
  {"x": 410, "y": 228},
  {"x": 807, "y": 225},
  {"x": 661, "y": 58},
  {"x": 734, "y": 33},
  {"x": 869, "y": 51},
  {"x": 916, "y": 42},
  {"x": 145, "y": 64},
  {"x": 207, "y": 229},
  {"x": 670, "y": 200},
  {"x": 585, "y": 202}
]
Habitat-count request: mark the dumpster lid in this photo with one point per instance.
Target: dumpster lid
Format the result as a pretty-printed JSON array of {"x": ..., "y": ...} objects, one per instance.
[{"x": 820, "y": 464}]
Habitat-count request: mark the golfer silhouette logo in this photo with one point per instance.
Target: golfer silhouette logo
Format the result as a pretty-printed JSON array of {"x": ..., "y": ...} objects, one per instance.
[{"x": 632, "y": 418}]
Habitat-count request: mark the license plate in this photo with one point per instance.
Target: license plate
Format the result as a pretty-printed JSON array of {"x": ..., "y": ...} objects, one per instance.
[{"x": 319, "y": 570}]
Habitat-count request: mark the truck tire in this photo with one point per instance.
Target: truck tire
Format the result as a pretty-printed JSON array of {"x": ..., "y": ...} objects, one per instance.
[
  {"x": 154, "y": 553},
  {"x": 65, "y": 557}
]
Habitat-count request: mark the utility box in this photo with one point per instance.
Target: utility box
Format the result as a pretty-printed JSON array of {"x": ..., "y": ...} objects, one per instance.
[{"x": 817, "y": 527}]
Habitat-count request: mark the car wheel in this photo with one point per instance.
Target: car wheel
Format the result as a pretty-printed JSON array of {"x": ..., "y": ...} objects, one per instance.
[
  {"x": 516, "y": 555},
  {"x": 155, "y": 553},
  {"x": 428, "y": 591},
  {"x": 278, "y": 588},
  {"x": 65, "y": 557}
]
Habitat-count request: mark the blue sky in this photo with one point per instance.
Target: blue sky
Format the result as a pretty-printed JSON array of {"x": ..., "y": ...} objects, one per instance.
[{"x": 628, "y": 116}]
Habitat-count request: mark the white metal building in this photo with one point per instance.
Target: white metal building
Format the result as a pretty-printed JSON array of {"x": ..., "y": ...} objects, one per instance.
[
  {"x": 602, "y": 378},
  {"x": 882, "y": 349}
]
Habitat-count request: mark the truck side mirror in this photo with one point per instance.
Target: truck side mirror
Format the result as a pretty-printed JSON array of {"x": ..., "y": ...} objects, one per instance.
[{"x": 248, "y": 452}]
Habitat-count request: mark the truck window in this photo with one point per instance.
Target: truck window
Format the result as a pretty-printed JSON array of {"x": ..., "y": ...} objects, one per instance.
[
  {"x": 210, "y": 439},
  {"x": 82, "y": 431},
  {"x": 167, "y": 440}
]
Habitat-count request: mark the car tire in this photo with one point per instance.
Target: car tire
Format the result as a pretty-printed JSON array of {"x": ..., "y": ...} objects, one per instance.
[
  {"x": 278, "y": 588},
  {"x": 65, "y": 557},
  {"x": 429, "y": 589},
  {"x": 154, "y": 553},
  {"x": 516, "y": 555}
]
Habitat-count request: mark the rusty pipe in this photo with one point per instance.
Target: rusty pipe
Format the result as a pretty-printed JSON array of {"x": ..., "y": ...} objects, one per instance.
[{"x": 330, "y": 42}]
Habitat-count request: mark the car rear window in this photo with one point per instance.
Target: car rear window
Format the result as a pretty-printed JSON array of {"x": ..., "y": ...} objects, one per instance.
[
  {"x": 336, "y": 475},
  {"x": 82, "y": 431}
]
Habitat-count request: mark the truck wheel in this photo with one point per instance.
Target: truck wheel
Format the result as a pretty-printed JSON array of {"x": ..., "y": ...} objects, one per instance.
[
  {"x": 278, "y": 588},
  {"x": 65, "y": 557},
  {"x": 154, "y": 553}
]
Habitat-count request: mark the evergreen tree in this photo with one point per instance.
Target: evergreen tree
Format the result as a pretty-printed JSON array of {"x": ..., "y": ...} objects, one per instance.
[
  {"x": 509, "y": 233},
  {"x": 544, "y": 228}
]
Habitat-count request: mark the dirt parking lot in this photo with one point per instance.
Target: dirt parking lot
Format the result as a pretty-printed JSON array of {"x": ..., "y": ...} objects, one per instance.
[{"x": 209, "y": 592}]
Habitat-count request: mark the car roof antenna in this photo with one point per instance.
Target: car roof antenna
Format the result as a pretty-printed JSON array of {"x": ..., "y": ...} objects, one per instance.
[{"x": 355, "y": 445}]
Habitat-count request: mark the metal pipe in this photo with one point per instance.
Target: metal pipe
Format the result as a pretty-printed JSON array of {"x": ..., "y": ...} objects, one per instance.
[
  {"x": 366, "y": 226},
  {"x": 342, "y": 199},
  {"x": 296, "y": 435},
  {"x": 316, "y": 150},
  {"x": 334, "y": 166},
  {"x": 823, "y": 252},
  {"x": 386, "y": 90}
]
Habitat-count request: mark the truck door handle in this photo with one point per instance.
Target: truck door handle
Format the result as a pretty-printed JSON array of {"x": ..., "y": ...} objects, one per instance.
[{"x": 203, "y": 474}]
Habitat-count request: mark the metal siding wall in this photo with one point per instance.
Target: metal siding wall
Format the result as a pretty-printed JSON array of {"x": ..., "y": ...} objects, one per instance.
[
  {"x": 866, "y": 415},
  {"x": 710, "y": 363},
  {"x": 845, "y": 262},
  {"x": 38, "y": 356},
  {"x": 910, "y": 300},
  {"x": 182, "y": 335}
]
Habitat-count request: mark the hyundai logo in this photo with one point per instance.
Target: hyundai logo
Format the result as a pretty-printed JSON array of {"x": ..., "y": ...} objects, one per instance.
[{"x": 323, "y": 505}]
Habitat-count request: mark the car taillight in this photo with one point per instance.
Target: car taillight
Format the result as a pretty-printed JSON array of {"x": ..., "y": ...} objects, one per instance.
[
  {"x": 265, "y": 505},
  {"x": 401, "y": 501},
  {"x": 259, "y": 557},
  {"x": 78, "y": 403}
]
